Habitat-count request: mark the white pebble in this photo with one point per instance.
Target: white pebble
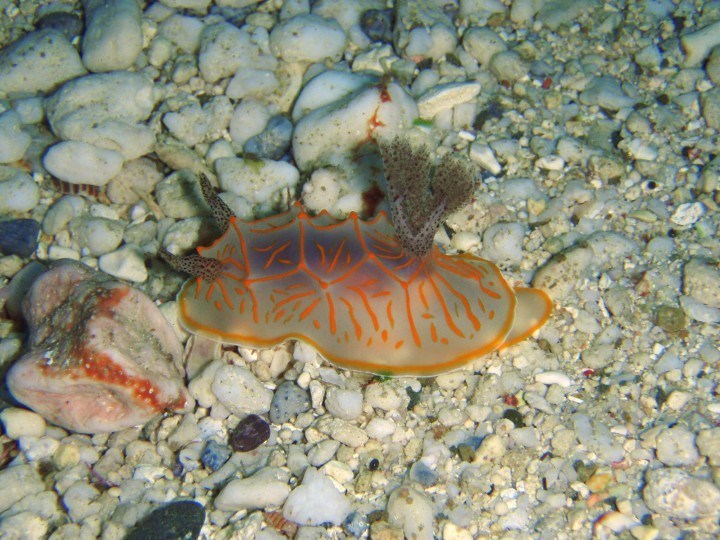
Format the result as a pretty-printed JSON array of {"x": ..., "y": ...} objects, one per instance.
[
  {"x": 256, "y": 181},
  {"x": 302, "y": 506},
  {"x": 113, "y": 35},
  {"x": 98, "y": 235},
  {"x": 60, "y": 213},
  {"x": 380, "y": 428},
  {"x": 17, "y": 482},
  {"x": 183, "y": 31},
  {"x": 194, "y": 124},
  {"x": 321, "y": 191},
  {"x": 308, "y": 38},
  {"x": 411, "y": 511},
  {"x": 125, "y": 263},
  {"x": 258, "y": 491},
  {"x": 18, "y": 191},
  {"x": 92, "y": 108},
  {"x": 698, "y": 311},
  {"x": 482, "y": 44},
  {"x": 697, "y": 45},
  {"x": 249, "y": 119},
  {"x": 24, "y": 525},
  {"x": 606, "y": 92},
  {"x": 688, "y": 213},
  {"x": 240, "y": 391},
  {"x": 342, "y": 403},
  {"x": 446, "y": 96},
  {"x": 224, "y": 48},
  {"x": 82, "y": 163},
  {"x": 675, "y": 447},
  {"x": 553, "y": 377},
  {"x": 483, "y": 155},
  {"x": 383, "y": 396},
  {"x": 674, "y": 493},
  {"x": 21, "y": 422},
  {"x": 38, "y": 62},
  {"x": 508, "y": 66},
  {"x": 13, "y": 140},
  {"x": 322, "y": 452},
  {"x": 251, "y": 82},
  {"x": 502, "y": 243}
]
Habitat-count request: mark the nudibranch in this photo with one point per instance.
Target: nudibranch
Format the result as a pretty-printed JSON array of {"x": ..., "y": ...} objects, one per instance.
[{"x": 371, "y": 295}]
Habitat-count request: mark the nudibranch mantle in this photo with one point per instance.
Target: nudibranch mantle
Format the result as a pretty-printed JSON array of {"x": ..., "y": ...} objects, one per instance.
[{"x": 349, "y": 289}]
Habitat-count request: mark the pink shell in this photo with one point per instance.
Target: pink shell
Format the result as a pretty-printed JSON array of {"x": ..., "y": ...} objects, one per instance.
[{"x": 349, "y": 289}]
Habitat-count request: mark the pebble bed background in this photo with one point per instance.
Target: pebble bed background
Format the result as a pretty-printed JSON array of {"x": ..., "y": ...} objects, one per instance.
[{"x": 595, "y": 128}]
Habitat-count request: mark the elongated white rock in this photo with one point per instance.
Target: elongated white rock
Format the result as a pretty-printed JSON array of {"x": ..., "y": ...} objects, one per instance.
[{"x": 113, "y": 36}]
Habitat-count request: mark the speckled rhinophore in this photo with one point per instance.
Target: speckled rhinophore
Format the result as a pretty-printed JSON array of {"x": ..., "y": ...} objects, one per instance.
[{"x": 350, "y": 290}]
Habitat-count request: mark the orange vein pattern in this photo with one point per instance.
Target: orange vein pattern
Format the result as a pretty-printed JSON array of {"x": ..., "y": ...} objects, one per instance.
[{"x": 351, "y": 291}]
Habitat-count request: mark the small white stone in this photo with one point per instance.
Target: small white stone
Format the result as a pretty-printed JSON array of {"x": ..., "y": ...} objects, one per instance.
[
  {"x": 688, "y": 214},
  {"x": 508, "y": 66},
  {"x": 383, "y": 396},
  {"x": 258, "y": 491},
  {"x": 38, "y": 62},
  {"x": 224, "y": 48},
  {"x": 60, "y": 213},
  {"x": 251, "y": 82},
  {"x": 380, "y": 428},
  {"x": 482, "y": 44},
  {"x": 411, "y": 511},
  {"x": 302, "y": 506},
  {"x": 82, "y": 163},
  {"x": 321, "y": 191},
  {"x": 606, "y": 92},
  {"x": 98, "y": 235},
  {"x": 18, "y": 191},
  {"x": 675, "y": 447},
  {"x": 256, "y": 181},
  {"x": 550, "y": 163},
  {"x": 26, "y": 525},
  {"x": 642, "y": 150},
  {"x": 446, "y": 96},
  {"x": 698, "y": 311},
  {"x": 342, "y": 403},
  {"x": 674, "y": 493},
  {"x": 113, "y": 36},
  {"x": 697, "y": 45},
  {"x": 308, "y": 38},
  {"x": 240, "y": 391},
  {"x": 21, "y": 422},
  {"x": 184, "y": 31},
  {"x": 483, "y": 155},
  {"x": 249, "y": 119},
  {"x": 322, "y": 452},
  {"x": 13, "y": 140},
  {"x": 17, "y": 482},
  {"x": 554, "y": 377},
  {"x": 194, "y": 124},
  {"x": 125, "y": 263},
  {"x": 502, "y": 243},
  {"x": 526, "y": 437}
]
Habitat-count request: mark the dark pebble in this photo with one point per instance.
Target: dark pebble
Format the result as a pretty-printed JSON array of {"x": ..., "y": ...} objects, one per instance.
[
  {"x": 378, "y": 24},
  {"x": 250, "y": 433},
  {"x": 19, "y": 237},
  {"x": 67, "y": 23},
  {"x": 174, "y": 521},
  {"x": 274, "y": 142},
  {"x": 215, "y": 455},
  {"x": 288, "y": 401}
]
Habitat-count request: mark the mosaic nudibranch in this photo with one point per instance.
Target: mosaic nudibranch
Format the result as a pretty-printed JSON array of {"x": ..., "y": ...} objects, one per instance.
[{"x": 352, "y": 291}]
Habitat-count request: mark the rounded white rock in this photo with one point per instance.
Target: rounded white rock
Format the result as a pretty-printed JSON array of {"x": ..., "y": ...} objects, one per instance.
[
  {"x": 82, "y": 163},
  {"x": 113, "y": 35},
  {"x": 38, "y": 62},
  {"x": 18, "y": 191},
  {"x": 21, "y": 422},
  {"x": 302, "y": 506},
  {"x": 252, "y": 493},
  {"x": 343, "y": 403},
  {"x": 674, "y": 493},
  {"x": 13, "y": 140},
  {"x": 125, "y": 263},
  {"x": 411, "y": 511},
  {"x": 255, "y": 180},
  {"x": 240, "y": 391},
  {"x": 308, "y": 38}
]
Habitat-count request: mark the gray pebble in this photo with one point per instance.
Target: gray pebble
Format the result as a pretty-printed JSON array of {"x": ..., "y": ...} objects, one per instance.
[
  {"x": 288, "y": 401},
  {"x": 675, "y": 494},
  {"x": 676, "y": 447},
  {"x": 710, "y": 101},
  {"x": 274, "y": 142}
]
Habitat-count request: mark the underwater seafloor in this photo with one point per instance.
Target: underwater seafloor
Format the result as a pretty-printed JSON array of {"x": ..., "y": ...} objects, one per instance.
[{"x": 594, "y": 130}]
